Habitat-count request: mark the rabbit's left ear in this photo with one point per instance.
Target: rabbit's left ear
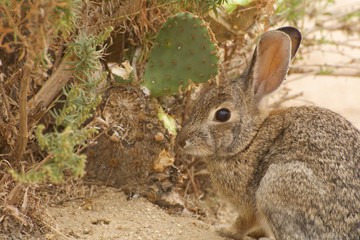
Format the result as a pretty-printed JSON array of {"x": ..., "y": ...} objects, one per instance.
[
  {"x": 271, "y": 60},
  {"x": 295, "y": 37}
]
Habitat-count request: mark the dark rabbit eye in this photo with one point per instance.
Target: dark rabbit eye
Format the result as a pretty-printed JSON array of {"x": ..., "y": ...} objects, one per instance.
[{"x": 222, "y": 115}]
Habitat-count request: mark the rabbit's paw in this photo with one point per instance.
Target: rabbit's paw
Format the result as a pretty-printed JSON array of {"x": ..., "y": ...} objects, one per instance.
[{"x": 230, "y": 233}]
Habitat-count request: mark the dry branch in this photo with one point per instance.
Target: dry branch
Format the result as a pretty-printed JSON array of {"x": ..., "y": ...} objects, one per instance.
[
  {"x": 23, "y": 123},
  {"x": 40, "y": 103},
  {"x": 329, "y": 71}
]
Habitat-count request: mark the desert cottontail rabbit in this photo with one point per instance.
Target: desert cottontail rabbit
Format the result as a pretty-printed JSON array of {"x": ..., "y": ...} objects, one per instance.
[{"x": 292, "y": 173}]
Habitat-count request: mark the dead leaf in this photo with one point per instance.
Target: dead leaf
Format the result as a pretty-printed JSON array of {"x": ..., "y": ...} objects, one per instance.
[{"x": 163, "y": 161}]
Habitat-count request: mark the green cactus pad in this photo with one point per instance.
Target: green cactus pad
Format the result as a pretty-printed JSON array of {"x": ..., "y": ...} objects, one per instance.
[{"x": 184, "y": 50}]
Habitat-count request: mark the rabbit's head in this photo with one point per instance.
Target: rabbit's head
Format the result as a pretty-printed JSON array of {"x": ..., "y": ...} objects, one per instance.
[{"x": 226, "y": 118}]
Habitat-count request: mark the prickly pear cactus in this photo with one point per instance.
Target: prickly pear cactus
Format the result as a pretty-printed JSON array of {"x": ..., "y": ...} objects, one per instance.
[{"x": 185, "y": 49}]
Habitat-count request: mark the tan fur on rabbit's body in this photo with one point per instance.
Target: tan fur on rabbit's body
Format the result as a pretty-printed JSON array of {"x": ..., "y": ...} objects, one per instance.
[{"x": 292, "y": 173}]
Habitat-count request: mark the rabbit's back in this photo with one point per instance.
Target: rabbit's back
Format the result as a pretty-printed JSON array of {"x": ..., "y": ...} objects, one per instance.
[
  {"x": 328, "y": 143},
  {"x": 312, "y": 166}
]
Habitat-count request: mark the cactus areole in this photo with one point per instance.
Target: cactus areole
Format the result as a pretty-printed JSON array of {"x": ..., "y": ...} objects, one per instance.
[{"x": 184, "y": 50}]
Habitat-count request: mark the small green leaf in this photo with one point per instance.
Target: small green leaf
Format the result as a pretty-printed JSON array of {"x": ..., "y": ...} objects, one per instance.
[{"x": 168, "y": 121}]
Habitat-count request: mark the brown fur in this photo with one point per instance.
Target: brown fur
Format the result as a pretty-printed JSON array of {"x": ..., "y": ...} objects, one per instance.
[{"x": 292, "y": 173}]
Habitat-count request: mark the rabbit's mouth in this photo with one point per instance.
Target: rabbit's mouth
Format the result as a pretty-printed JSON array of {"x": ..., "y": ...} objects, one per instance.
[
  {"x": 198, "y": 151},
  {"x": 193, "y": 148}
]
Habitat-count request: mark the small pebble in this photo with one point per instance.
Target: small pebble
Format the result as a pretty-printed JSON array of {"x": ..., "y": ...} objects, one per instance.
[
  {"x": 87, "y": 231},
  {"x": 159, "y": 137}
]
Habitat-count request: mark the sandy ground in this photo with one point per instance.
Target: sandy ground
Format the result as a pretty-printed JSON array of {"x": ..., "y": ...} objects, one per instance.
[{"x": 109, "y": 215}]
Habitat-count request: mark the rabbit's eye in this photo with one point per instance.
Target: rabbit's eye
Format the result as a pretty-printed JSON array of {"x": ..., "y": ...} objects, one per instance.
[{"x": 222, "y": 115}]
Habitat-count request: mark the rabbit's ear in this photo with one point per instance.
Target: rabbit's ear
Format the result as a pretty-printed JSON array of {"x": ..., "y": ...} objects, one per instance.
[
  {"x": 295, "y": 37},
  {"x": 271, "y": 60}
]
